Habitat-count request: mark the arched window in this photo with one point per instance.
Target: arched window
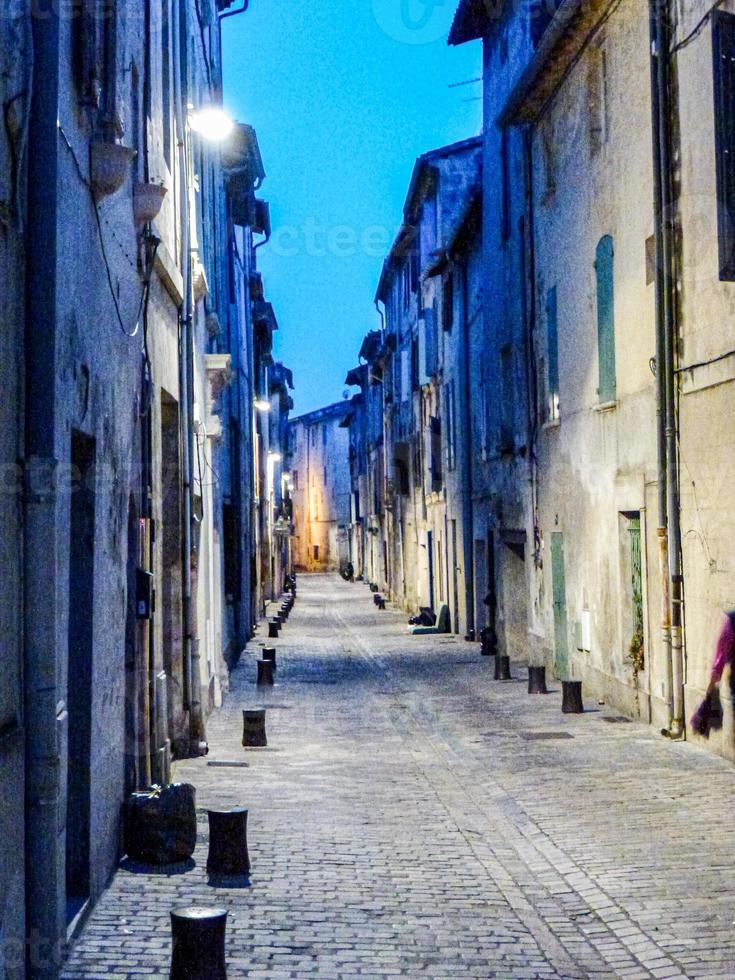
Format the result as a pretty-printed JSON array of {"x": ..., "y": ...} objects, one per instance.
[{"x": 606, "y": 319}]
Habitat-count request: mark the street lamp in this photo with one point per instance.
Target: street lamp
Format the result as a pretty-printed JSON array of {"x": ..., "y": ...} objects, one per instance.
[
  {"x": 261, "y": 405},
  {"x": 211, "y": 123}
]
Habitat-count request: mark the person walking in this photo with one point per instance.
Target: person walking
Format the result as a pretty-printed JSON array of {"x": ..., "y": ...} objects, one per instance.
[{"x": 708, "y": 715}]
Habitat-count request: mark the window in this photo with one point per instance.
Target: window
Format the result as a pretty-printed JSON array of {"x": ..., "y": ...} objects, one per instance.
[
  {"x": 316, "y": 552},
  {"x": 324, "y": 436},
  {"x": 606, "y": 319},
  {"x": 166, "y": 102},
  {"x": 313, "y": 437},
  {"x": 448, "y": 301},
  {"x": 295, "y": 479},
  {"x": 723, "y": 42},
  {"x": 406, "y": 285},
  {"x": 415, "y": 264},
  {"x": 505, "y": 165},
  {"x": 552, "y": 349},
  {"x": 450, "y": 416},
  {"x": 435, "y": 440},
  {"x": 548, "y": 157},
  {"x": 325, "y": 476},
  {"x": 507, "y": 443},
  {"x": 540, "y": 13},
  {"x": 597, "y": 99}
]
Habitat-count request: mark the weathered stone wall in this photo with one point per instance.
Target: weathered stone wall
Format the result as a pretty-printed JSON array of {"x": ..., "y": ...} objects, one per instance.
[{"x": 14, "y": 97}]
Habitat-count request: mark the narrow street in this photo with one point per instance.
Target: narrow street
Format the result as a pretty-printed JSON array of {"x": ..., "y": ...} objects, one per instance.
[{"x": 413, "y": 817}]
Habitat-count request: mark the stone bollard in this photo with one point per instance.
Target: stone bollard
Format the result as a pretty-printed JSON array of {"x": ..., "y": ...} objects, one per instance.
[
  {"x": 265, "y": 673},
  {"x": 253, "y": 729},
  {"x": 572, "y": 698},
  {"x": 198, "y": 944},
  {"x": 228, "y": 842},
  {"x": 502, "y": 668},
  {"x": 269, "y": 654},
  {"x": 537, "y": 680},
  {"x": 274, "y": 629}
]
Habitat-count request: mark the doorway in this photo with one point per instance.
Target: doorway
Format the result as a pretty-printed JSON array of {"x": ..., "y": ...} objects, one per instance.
[
  {"x": 559, "y": 598},
  {"x": 430, "y": 555},
  {"x": 80, "y": 645}
]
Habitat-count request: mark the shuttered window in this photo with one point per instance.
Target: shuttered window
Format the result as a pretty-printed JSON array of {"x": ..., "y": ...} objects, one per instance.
[
  {"x": 723, "y": 50},
  {"x": 606, "y": 319},
  {"x": 552, "y": 349}
]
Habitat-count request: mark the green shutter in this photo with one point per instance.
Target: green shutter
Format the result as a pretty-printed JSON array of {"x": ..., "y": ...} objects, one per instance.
[
  {"x": 552, "y": 343},
  {"x": 559, "y": 599},
  {"x": 606, "y": 319}
]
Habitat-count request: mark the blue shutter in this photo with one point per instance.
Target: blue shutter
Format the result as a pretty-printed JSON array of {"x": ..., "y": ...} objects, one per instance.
[
  {"x": 552, "y": 343},
  {"x": 606, "y": 319}
]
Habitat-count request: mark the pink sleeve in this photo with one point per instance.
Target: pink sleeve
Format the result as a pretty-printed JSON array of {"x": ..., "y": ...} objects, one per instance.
[{"x": 725, "y": 650}]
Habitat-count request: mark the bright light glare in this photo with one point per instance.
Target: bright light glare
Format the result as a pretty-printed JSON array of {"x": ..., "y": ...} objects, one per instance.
[
  {"x": 261, "y": 405},
  {"x": 276, "y": 457},
  {"x": 212, "y": 124}
]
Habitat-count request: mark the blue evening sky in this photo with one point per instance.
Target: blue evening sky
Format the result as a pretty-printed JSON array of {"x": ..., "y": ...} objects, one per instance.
[{"x": 344, "y": 95}]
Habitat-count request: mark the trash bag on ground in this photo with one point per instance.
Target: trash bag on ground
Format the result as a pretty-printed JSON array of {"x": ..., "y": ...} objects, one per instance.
[{"x": 160, "y": 825}]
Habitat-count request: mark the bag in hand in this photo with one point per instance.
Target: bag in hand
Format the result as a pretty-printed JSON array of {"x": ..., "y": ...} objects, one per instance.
[{"x": 708, "y": 716}]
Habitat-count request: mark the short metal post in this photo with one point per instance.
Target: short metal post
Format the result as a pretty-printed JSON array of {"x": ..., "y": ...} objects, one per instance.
[
  {"x": 502, "y": 668},
  {"x": 253, "y": 729},
  {"x": 265, "y": 673},
  {"x": 198, "y": 944},
  {"x": 537, "y": 680},
  {"x": 269, "y": 654},
  {"x": 228, "y": 842},
  {"x": 274, "y": 629},
  {"x": 572, "y": 698}
]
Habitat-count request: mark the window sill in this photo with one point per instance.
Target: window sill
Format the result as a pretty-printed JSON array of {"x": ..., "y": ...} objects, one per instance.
[{"x": 607, "y": 406}]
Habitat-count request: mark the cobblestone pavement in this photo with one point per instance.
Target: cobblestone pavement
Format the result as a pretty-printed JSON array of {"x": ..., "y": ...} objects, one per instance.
[{"x": 407, "y": 820}]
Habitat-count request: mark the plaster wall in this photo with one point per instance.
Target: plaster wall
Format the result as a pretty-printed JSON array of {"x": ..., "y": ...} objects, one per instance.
[{"x": 597, "y": 460}]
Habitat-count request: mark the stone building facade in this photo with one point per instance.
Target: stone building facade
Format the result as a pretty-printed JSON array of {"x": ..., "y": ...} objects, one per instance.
[
  {"x": 607, "y": 251},
  {"x": 413, "y": 386},
  {"x": 555, "y": 366},
  {"x": 128, "y": 331},
  {"x": 319, "y": 480}
]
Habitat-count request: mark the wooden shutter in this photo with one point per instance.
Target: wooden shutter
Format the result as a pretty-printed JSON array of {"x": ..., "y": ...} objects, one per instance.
[
  {"x": 723, "y": 53},
  {"x": 606, "y": 319}
]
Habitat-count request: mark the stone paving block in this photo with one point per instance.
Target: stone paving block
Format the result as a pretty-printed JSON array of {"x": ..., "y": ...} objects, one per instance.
[{"x": 389, "y": 837}]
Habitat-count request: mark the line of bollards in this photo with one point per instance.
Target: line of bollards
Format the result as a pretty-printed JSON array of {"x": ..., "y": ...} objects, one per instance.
[
  {"x": 198, "y": 934},
  {"x": 571, "y": 690}
]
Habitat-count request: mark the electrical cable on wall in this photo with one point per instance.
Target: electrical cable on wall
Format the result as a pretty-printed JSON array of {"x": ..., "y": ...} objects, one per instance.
[{"x": 84, "y": 179}]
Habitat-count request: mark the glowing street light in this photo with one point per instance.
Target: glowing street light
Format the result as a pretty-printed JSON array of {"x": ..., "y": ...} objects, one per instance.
[
  {"x": 274, "y": 456},
  {"x": 261, "y": 405},
  {"x": 211, "y": 123}
]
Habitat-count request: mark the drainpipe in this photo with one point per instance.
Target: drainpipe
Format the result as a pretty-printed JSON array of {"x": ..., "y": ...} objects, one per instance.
[
  {"x": 44, "y": 712},
  {"x": 669, "y": 530},
  {"x": 192, "y": 676}
]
